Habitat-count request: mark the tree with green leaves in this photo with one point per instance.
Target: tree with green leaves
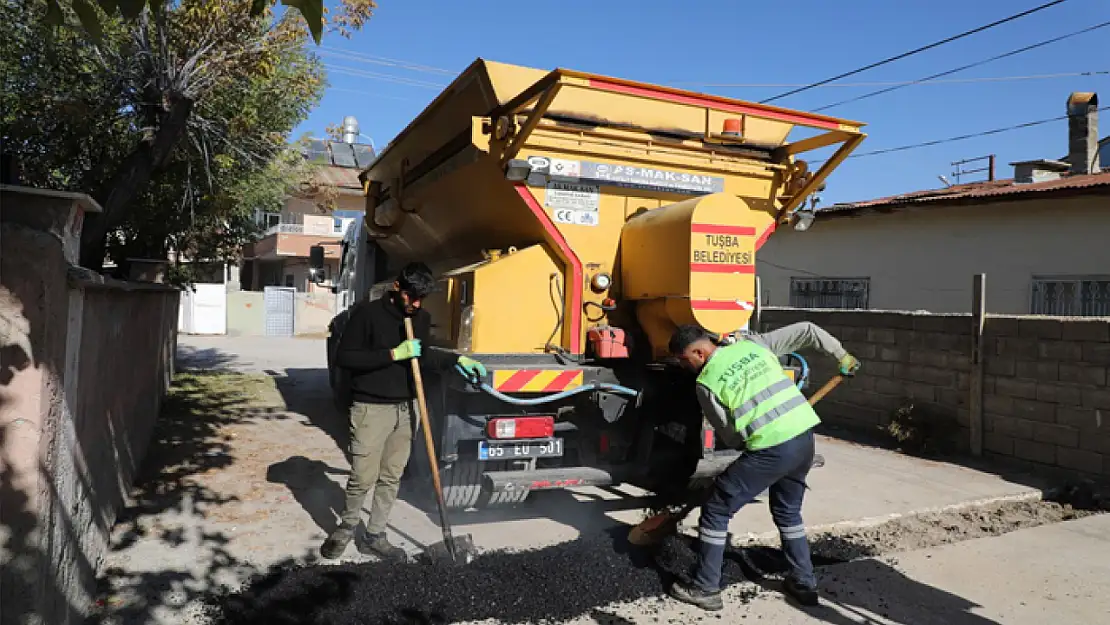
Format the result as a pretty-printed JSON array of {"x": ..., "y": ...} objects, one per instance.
[
  {"x": 352, "y": 17},
  {"x": 159, "y": 117}
]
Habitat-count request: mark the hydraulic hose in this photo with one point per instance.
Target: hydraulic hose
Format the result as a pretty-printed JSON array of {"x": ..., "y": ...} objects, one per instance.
[
  {"x": 596, "y": 386},
  {"x": 546, "y": 399},
  {"x": 805, "y": 370}
]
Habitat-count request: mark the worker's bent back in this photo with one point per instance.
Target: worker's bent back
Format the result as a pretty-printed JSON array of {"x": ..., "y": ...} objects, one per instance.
[{"x": 760, "y": 403}]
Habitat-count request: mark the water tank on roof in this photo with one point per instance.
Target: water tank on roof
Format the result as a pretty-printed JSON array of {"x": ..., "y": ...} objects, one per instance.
[{"x": 350, "y": 129}]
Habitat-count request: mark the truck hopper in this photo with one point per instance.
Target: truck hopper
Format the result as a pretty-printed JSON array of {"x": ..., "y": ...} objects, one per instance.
[{"x": 576, "y": 220}]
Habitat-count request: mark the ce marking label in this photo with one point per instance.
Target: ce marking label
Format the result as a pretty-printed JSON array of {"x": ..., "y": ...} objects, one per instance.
[{"x": 576, "y": 217}]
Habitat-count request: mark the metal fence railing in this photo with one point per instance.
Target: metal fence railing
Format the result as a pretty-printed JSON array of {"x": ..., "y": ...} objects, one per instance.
[
  {"x": 846, "y": 293},
  {"x": 1080, "y": 297}
]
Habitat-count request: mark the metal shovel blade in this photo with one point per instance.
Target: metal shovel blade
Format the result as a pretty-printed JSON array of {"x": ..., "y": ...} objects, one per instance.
[{"x": 458, "y": 549}]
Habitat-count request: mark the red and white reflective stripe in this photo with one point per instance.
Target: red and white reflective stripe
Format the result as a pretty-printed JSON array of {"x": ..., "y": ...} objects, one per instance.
[{"x": 710, "y": 304}]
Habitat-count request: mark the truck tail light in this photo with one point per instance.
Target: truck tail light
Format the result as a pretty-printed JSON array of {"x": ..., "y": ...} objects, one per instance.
[{"x": 521, "y": 427}]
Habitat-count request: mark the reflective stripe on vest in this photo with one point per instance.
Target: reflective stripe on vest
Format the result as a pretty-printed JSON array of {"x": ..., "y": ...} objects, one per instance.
[
  {"x": 748, "y": 407},
  {"x": 735, "y": 369}
]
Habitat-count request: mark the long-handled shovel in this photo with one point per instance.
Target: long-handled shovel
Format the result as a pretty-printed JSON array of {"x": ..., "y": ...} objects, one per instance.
[
  {"x": 654, "y": 528},
  {"x": 457, "y": 549}
]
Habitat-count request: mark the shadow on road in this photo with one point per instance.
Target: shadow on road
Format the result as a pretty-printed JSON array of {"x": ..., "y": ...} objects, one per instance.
[
  {"x": 170, "y": 500},
  {"x": 308, "y": 392},
  {"x": 866, "y": 590},
  {"x": 307, "y": 480}
]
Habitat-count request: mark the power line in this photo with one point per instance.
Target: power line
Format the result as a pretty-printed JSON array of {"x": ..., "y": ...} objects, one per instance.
[
  {"x": 362, "y": 73},
  {"x": 915, "y": 51},
  {"x": 973, "y": 135},
  {"x": 888, "y": 83},
  {"x": 360, "y": 57},
  {"x": 968, "y": 66}
]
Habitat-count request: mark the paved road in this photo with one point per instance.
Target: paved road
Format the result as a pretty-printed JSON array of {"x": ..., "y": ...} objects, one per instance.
[{"x": 277, "y": 489}]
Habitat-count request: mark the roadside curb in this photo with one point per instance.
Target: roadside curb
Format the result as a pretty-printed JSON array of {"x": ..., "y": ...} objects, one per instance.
[{"x": 766, "y": 538}]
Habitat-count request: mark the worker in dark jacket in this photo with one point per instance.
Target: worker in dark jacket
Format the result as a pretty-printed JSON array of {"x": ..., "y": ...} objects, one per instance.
[
  {"x": 753, "y": 406},
  {"x": 375, "y": 349}
]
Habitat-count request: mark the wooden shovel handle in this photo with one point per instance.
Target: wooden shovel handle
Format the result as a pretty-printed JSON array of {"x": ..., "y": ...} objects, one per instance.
[
  {"x": 422, "y": 406},
  {"x": 826, "y": 389}
]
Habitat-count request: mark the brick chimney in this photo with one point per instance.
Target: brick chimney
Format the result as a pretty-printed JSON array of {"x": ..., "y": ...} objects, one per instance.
[{"x": 1083, "y": 133}]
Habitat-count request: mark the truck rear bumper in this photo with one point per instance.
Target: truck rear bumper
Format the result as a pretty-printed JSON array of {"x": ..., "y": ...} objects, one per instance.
[{"x": 570, "y": 477}]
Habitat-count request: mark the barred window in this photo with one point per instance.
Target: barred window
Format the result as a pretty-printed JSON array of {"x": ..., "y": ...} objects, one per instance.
[
  {"x": 1080, "y": 296},
  {"x": 850, "y": 293}
]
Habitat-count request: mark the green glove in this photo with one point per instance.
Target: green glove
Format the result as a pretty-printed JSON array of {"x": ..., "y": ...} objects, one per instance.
[
  {"x": 405, "y": 351},
  {"x": 472, "y": 367},
  {"x": 849, "y": 365}
]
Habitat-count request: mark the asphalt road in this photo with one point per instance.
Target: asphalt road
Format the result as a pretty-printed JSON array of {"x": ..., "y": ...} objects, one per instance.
[{"x": 278, "y": 488}]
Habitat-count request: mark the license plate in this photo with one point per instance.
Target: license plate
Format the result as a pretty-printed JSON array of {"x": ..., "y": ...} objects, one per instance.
[{"x": 512, "y": 450}]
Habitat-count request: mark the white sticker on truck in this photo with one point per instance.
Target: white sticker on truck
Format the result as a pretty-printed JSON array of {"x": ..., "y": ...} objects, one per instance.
[
  {"x": 569, "y": 195},
  {"x": 577, "y": 218},
  {"x": 573, "y": 203}
]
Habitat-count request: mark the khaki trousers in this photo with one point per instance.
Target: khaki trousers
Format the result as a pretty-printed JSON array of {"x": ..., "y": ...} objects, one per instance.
[{"x": 381, "y": 441}]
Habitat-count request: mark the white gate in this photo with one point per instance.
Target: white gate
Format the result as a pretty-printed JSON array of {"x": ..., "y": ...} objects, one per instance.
[
  {"x": 203, "y": 310},
  {"x": 278, "y": 302}
]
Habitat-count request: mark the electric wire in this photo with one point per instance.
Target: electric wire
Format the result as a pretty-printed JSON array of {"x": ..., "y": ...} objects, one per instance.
[
  {"x": 914, "y": 51},
  {"x": 973, "y": 135},
  {"x": 887, "y": 83},
  {"x": 964, "y": 67}
]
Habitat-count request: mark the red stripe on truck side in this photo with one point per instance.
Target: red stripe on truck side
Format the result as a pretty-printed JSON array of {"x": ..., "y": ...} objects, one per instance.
[
  {"x": 766, "y": 233},
  {"x": 519, "y": 380},
  {"x": 574, "y": 286},
  {"x": 710, "y": 102},
  {"x": 707, "y": 304},
  {"x": 721, "y": 268},
  {"x": 740, "y": 231},
  {"x": 561, "y": 381}
]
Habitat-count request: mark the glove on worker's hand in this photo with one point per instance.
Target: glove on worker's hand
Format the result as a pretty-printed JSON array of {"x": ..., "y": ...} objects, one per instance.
[
  {"x": 406, "y": 350},
  {"x": 849, "y": 365},
  {"x": 472, "y": 367}
]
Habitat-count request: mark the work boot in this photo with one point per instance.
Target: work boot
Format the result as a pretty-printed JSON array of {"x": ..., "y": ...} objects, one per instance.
[
  {"x": 804, "y": 595},
  {"x": 379, "y": 545},
  {"x": 337, "y": 542},
  {"x": 689, "y": 593}
]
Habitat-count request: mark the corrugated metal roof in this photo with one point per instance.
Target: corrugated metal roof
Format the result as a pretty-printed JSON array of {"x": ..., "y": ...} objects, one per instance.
[{"x": 969, "y": 193}]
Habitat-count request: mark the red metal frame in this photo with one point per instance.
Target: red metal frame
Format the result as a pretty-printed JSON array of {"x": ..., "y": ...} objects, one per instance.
[
  {"x": 707, "y": 101},
  {"x": 574, "y": 286}
]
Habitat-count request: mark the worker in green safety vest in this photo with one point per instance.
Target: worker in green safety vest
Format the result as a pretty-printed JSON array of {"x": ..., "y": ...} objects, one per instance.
[{"x": 755, "y": 407}]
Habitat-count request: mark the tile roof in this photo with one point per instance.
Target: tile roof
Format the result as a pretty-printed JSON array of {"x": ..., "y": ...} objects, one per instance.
[{"x": 976, "y": 193}]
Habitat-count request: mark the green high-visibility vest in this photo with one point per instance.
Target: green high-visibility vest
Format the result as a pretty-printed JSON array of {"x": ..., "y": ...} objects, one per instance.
[{"x": 761, "y": 403}]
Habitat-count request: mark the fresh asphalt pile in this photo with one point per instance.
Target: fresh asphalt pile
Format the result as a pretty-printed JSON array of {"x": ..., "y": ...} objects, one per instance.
[{"x": 553, "y": 584}]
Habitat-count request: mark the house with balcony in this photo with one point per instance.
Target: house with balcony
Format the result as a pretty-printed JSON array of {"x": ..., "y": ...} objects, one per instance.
[{"x": 318, "y": 215}]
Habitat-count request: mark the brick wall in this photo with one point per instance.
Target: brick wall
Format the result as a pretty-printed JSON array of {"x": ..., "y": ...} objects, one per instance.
[{"x": 1045, "y": 396}]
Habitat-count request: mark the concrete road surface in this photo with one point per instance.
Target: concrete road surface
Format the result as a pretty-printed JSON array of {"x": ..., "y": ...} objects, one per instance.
[
  {"x": 268, "y": 486},
  {"x": 1049, "y": 574}
]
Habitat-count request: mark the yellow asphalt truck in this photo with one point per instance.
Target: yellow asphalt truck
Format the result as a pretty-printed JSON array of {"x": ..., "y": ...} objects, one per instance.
[{"x": 575, "y": 221}]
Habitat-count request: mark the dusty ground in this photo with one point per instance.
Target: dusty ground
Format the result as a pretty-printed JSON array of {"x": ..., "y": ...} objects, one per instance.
[{"x": 247, "y": 469}]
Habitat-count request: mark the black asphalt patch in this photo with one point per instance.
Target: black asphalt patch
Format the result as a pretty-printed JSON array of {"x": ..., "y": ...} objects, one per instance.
[{"x": 553, "y": 584}]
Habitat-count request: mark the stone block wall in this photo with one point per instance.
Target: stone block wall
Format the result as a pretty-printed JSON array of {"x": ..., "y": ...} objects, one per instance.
[
  {"x": 1045, "y": 400},
  {"x": 1045, "y": 394}
]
